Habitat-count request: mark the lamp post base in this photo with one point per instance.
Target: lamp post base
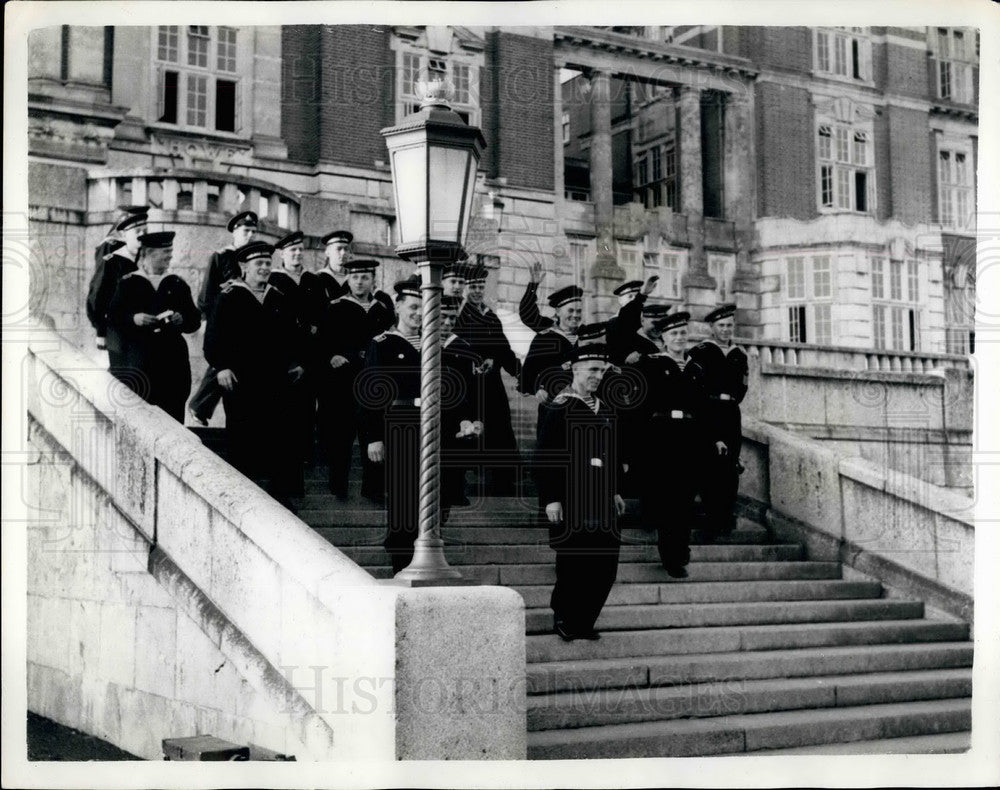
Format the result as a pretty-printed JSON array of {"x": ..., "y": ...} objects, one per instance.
[{"x": 429, "y": 565}]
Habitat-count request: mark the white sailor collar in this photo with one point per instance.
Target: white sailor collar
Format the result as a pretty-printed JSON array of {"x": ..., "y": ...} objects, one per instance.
[
  {"x": 567, "y": 393},
  {"x": 726, "y": 350},
  {"x": 558, "y": 330}
]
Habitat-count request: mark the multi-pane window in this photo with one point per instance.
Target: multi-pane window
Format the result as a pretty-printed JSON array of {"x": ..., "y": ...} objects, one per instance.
[
  {"x": 809, "y": 291},
  {"x": 194, "y": 89},
  {"x": 845, "y": 168},
  {"x": 227, "y": 49},
  {"x": 956, "y": 55},
  {"x": 722, "y": 268},
  {"x": 895, "y": 304},
  {"x": 955, "y": 198},
  {"x": 843, "y": 52},
  {"x": 578, "y": 254},
  {"x": 656, "y": 176},
  {"x": 416, "y": 66},
  {"x": 668, "y": 266},
  {"x": 167, "y": 45}
]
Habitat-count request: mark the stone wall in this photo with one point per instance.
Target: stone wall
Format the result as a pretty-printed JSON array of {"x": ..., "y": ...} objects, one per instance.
[
  {"x": 915, "y": 537},
  {"x": 169, "y": 596}
]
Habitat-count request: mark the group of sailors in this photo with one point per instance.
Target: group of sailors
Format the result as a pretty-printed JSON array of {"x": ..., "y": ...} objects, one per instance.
[{"x": 623, "y": 406}]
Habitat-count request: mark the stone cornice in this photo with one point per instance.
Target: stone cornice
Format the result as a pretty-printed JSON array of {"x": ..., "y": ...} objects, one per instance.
[{"x": 672, "y": 54}]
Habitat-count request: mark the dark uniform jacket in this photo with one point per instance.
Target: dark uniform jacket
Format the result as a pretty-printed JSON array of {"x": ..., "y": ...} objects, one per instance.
[
  {"x": 390, "y": 381},
  {"x": 347, "y": 327},
  {"x": 722, "y": 377},
  {"x": 578, "y": 464},
  {"x": 156, "y": 356},
  {"x": 321, "y": 288},
  {"x": 458, "y": 387},
  {"x": 528, "y": 312},
  {"x": 222, "y": 266},
  {"x": 110, "y": 269},
  {"x": 251, "y": 339},
  {"x": 543, "y": 366}
]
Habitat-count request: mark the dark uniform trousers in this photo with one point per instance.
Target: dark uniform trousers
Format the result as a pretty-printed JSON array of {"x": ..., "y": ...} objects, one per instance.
[
  {"x": 577, "y": 465},
  {"x": 402, "y": 480},
  {"x": 667, "y": 481}
]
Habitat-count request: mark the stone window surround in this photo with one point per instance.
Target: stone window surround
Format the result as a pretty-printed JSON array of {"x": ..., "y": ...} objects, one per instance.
[
  {"x": 961, "y": 89},
  {"x": 864, "y": 42},
  {"x": 211, "y": 72},
  {"x": 955, "y": 144},
  {"x": 842, "y": 113},
  {"x": 474, "y": 59}
]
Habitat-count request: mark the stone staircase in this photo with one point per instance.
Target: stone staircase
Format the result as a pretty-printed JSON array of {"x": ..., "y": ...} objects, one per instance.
[{"x": 759, "y": 650}]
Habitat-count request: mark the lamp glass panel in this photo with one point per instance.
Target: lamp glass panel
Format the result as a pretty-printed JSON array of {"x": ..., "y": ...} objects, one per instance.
[
  {"x": 409, "y": 176},
  {"x": 448, "y": 175},
  {"x": 470, "y": 193}
]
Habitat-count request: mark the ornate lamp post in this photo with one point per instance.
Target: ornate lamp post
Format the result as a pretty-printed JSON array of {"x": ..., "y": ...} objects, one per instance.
[{"x": 434, "y": 156}]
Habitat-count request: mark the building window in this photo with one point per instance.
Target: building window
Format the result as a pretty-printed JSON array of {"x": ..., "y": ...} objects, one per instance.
[
  {"x": 955, "y": 200},
  {"x": 227, "y": 49},
  {"x": 809, "y": 288},
  {"x": 845, "y": 168},
  {"x": 843, "y": 52},
  {"x": 462, "y": 71},
  {"x": 722, "y": 268},
  {"x": 668, "y": 266},
  {"x": 565, "y": 127},
  {"x": 578, "y": 255},
  {"x": 193, "y": 95},
  {"x": 895, "y": 308},
  {"x": 954, "y": 57},
  {"x": 656, "y": 176}
]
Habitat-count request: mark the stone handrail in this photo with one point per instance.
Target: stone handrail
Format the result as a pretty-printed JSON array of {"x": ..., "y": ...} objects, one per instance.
[
  {"x": 216, "y": 194},
  {"x": 779, "y": 352},
  {"x": 219, "y": 611}
]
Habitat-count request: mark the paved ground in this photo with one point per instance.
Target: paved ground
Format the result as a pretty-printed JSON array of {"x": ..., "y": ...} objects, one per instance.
[{"x": 48, "y": 740}]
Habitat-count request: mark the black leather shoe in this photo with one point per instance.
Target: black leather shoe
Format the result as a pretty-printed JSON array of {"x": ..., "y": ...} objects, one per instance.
[
  {"x": 678, "y": 572},
  {"x": 560, "y": 629}
]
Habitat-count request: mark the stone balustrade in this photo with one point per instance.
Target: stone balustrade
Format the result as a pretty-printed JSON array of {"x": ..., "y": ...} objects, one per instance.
[
  {"x": 777, "y": 352},
  {"x": 192, "y": 195}
]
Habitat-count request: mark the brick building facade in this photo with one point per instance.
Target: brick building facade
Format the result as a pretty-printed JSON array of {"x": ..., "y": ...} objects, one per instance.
[{"x": 823, "y": 178}]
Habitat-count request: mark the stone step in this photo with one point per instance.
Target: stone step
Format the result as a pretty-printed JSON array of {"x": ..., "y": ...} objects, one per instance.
[
  {"x": 650, "y": 671},
  {"x": 718, "y": 592},
  {"x": 645, "y": 572},
  {"x": 752, "y": 732},
  {"x": 701, "y": 700},
  {"x": 941, "y": 743},
  {"x": 509, "y": 554},
  {"x": 633, "y": 618},
  {"x": 726, "y": 639}
]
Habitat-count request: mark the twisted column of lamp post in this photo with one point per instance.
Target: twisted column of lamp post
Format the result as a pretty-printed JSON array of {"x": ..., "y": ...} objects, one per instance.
[{"x": 428, "y": 549}]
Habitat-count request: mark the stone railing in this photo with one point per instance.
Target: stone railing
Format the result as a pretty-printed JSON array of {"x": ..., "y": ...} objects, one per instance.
[
  {"x": 169, "y": 596},
  {"x": 914, "y": 536},
  {"x": 778, "y": 352},
  {"x": 199, "y": 196}
]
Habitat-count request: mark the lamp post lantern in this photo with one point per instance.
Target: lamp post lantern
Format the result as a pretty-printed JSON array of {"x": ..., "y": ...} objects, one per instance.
[{"x": 434, "y": 157}]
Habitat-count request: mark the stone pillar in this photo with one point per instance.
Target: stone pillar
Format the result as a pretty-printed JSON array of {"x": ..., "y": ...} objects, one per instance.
[
  {"x": 265, "y": 49},
  {"x": 739, "y": 164},
  {"x": 605, "y": 274},
  {"x": 699, "y": 287}
]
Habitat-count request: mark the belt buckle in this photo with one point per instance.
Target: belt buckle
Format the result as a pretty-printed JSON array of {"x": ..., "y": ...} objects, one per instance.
[
  {"x": 596, "y": 462},
  {"x": 725, "y": 396},
  {"x": 416, "y": 403},
  {"x": 677, "y": 414}
]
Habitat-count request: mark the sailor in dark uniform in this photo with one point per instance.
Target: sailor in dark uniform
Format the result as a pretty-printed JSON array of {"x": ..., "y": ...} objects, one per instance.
[
  {"x": 102, "y": 283},
  {"x": 665, "y": 417},
  {"x": 346, "y": 328},
  {"x": 285, "y": 280},
  {"x": 631, "y": 298},
  {"x": 150, "y": 310},
  {"x": 578, "y": 469},
  {"x": 480, "y": 327},
  {"x": 721, "y": 369},
  {"x": 461, "y": 421},
  {"x": 321, "y": 287},
  {"x": 542, "y": 373},
  {"x": 114, "y": 265},
  {"x": 247, "y": 343},
  {"x": 453, "y": 280},
  {"x": 389, "y": 403},
  {"x": 527, "y": 309},
  {"x": 221, "y": 269}
]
